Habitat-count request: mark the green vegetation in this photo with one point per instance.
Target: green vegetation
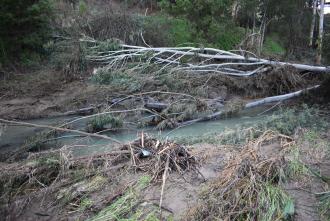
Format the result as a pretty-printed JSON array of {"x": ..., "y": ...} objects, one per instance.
[
  {"x": 98, "y": 123},
  {"x": 296, "y": 168},
  {"x": 324, "y": 205},
  {"x": 24, "y": 29},
  {"x": 126, "y": 207},
  {"x": 161, "y": 30},
  {"x": 209, "y": 21},
  {"x": 272, "y": 47},
  {"x": 284, "y": 121},
  {"x": 274, "y": 202}
]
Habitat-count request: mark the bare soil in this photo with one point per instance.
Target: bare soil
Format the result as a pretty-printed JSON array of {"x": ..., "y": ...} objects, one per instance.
[{"x": 44, "y": 94}]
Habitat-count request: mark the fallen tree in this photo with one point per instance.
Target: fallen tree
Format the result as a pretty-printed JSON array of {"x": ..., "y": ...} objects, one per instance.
[
  {"x": 192, "y": 59},
  {"x": 252, "y": 104}
]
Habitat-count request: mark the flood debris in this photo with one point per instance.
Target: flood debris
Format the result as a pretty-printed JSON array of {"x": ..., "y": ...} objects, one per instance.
[
  {"x": 210, "y": 59},
  {"x": 249, "y": 186},
  {"x": 151, "y": 156},
  {"x": 68, "y": 180}
]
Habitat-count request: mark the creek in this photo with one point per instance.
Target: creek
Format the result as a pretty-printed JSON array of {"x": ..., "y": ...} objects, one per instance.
[{"x": 13, "y": 137}]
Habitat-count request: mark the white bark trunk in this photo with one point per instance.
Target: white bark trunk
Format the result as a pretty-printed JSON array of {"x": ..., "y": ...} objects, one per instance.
[
  {"x": 311, "y": 36},
  {"x": 320, "y": 38},
  {"x": 212, "y": 60},
  {"x": 260, "y": 102}
]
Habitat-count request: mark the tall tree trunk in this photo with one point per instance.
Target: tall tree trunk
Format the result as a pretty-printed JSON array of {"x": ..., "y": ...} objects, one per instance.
[
  {"x": 234, "y": 10},
  {"x": 311, "y": 36},
  {"x": 320, "y": 38}
]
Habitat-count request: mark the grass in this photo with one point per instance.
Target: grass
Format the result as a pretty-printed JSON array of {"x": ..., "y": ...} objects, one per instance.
[
  {"x": 274, "y": 202},
  {"x": 79, "y": 191},
  {"x": 284, "y": 121},
  {"x": 85, "y": 204},
  {"x": 296, "y": 168},
  {"x": 126, "y": 206},
  {"x": 98, "y": 123},
  {"x": 272, "y": 47},
  {"x": 324, "y": 205}
]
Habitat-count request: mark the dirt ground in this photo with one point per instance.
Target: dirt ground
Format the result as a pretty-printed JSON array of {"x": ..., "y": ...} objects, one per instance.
[{"x": 44, "y": 94}]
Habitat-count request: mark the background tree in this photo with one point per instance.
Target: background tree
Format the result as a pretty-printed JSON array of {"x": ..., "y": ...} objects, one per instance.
[
  {"x": 211, "y": 20},
  {"x": 24, "y": 28},
  {"x": 320, "y": 37}
]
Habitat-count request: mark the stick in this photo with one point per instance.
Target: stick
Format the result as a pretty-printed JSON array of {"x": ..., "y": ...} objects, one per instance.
[
  {"x": 61, "y": 129},
  {"x": 163, "y": 185}
]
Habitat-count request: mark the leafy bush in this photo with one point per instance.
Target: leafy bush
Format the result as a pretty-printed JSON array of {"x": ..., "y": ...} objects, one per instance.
[
  {"x": 209, "y": 21},
  {"x": 24, "y": 27},
  {"x": 160, "y": 30}
]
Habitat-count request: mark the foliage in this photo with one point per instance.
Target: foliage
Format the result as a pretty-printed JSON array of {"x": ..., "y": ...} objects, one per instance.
[
  {"x": 142, "y": 4},
  {"x": 119, "y": 79},
  {"x": 201, "y": 13},
  {"x": 160, "y": 30},
  {"x": 248, "y": 188},
  {"x": 292, "y": 19},
  {"x": 209, "y": 20},
  {"x": 272, "y": 47},
  {"x": 24, "y": 28}
]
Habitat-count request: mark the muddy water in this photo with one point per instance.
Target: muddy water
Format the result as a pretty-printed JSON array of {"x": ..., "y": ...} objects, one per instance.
[{"x": 14, "y": 137}]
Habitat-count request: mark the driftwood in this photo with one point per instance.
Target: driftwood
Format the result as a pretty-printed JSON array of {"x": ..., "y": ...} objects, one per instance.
[
  {"x": 210, "y": 60},
  {"x": 159, "y": 106},
  {"x": 82, "y": 111},
  {"x": 260, "y": 102},
  {"x": 156, "y": 106}
]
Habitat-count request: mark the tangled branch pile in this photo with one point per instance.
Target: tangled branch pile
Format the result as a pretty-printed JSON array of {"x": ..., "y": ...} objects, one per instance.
[
  {"x": 249, "y": 187},
  {"x": 155, "y": 157},
  {"x": 198, "y": 60}
]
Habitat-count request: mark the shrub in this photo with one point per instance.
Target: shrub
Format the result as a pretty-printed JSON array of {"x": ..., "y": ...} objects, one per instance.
[
  {"x": 98, "y": 123},
  {"x": 209, "y": 21},
  {"x": 165, "y": 31}
]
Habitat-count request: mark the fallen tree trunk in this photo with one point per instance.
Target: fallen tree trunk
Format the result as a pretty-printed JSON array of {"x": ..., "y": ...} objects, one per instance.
[
  {"x": 159, "y": 107},
  {"x": 82, "y": 111},
  {"x": 260, "y": 102},
  {"x": 156, "y": 106},
  {"x": 209, "y": 60}
]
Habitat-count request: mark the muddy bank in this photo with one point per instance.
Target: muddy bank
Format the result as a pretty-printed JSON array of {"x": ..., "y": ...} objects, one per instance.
[
  {"x": 37, "y": 95},
  {"x": 188, "y": 181},
  {"x": 46, "y": 93}
]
